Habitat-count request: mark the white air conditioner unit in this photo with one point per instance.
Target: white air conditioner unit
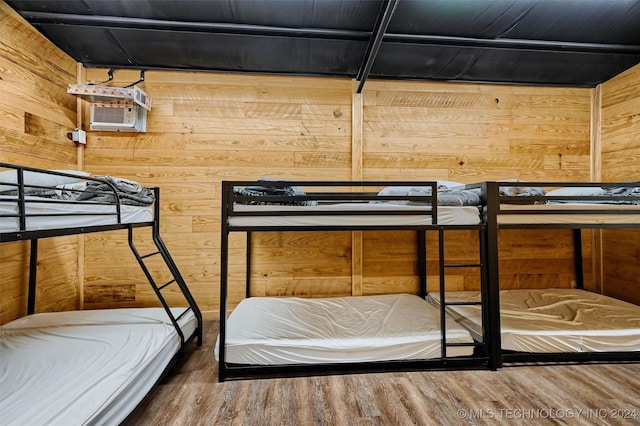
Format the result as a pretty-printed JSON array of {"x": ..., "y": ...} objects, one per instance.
[
  {"x": 118, "y": 117},
  {"x": 114, "y": 109}
]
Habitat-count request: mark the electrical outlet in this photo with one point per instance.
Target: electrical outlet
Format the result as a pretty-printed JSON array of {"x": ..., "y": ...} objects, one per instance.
[{"x": 79, "y": 136}]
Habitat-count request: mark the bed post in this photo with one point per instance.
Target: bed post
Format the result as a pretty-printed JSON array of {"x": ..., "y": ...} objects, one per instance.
[
  {"x": 422, "y": 261},
  {"x": 577, "y": 258},
  {"x": 33, "y": 273},
  {"x": 441, "y": 292},
  {"x": 248, "y": 268},
  {"x": 224, "y": 260},
  {"x": 492, "y": 289}
]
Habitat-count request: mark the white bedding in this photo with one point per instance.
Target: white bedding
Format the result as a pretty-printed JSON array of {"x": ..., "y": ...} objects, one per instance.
[
  {"x": 556, "y": 320},
  {"x": 69, "y": 215},
  {"x": 447, "y": 215},
  {"x": 83, "y": 367},
  {"x": 266, "y": 330},
  {"x": 567, "y": 218}
]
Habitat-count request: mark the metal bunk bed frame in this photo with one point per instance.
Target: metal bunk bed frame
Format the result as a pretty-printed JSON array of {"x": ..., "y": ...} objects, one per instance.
[
  {"x": 22, "y": 234},
  {"x": 485, "y": 352},
  {"x": 492, "y": 199}
]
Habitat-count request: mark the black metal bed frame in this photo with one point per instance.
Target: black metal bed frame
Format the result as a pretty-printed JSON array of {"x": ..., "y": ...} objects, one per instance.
[
  {"x": 24, "y": 234},
  {"x": 484, "y": 352},
  {"x": 493, "y": 199}
]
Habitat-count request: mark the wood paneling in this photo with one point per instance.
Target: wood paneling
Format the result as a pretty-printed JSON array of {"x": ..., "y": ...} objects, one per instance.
[
  {"x": 469, "y": 133},
  {"x": 621, "y": 162},
  {"x": 35, "y": 115},
  {"x": 205, "y": 128}
]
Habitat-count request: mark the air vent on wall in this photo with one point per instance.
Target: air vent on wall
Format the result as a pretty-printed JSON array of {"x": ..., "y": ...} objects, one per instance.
[{"x": 126, "y": 117}]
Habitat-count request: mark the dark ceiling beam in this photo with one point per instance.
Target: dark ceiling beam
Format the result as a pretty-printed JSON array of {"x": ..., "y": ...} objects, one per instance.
[
  {"x": 384, "y": 17},
  {"x": 515, "y": 44},
  {"x": 35, "y": 18}
]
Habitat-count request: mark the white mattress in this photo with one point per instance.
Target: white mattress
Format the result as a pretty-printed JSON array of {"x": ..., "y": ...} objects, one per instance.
[
  {"x": 83, "y": 367},
  {"x": 556, "y": 320},
  {"x": 69, "y": 215},
  {"x": 447, "y": 215},
  {"x": 567, "y": 218},
  {"x": 267, "y": 331}
]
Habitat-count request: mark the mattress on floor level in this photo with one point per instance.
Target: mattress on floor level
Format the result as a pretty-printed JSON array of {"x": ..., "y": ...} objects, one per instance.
[
  {"x": 60, "y": 215},
  {"x": 81, "y": 367},
  {"x": 447, "y": 215},
  {"x": 556, "y": 320},
  {"x": 267, "y": 330}
]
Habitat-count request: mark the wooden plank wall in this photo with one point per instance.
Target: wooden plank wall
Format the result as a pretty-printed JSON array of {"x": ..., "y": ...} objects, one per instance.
[
  {"x": 621, "y": 162},
  {"x": 469, "y": 133},
  {"x": 204, "y": 128},
  {"x": 36, "y": 114}
]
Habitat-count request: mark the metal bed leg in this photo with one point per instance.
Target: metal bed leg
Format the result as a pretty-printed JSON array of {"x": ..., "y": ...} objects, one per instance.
[
  {"x": 224, "y": 276},
  {"x": 441, "y": 292},
  {"x": 422, "y": 262},
  {"x": 224, "y": 259},
  {"x": 248, "y": 263},
  {"x": 493, "y": 275},
  {"x": 33, "y": 272},
  {"x": 577, "y": 258}
]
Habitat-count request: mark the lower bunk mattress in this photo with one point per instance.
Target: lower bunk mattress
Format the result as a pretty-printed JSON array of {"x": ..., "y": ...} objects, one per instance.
[
  {"x": 555, "y": 320},
  {"x": 278, "y": 331},
  {"x": 84, "y": 367}
]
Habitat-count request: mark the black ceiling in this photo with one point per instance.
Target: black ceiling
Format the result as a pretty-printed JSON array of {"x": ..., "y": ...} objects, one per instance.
[{"x": 552, "y": 42}]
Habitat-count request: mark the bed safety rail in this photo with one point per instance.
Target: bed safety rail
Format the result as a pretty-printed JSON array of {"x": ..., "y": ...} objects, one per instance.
[
  {"x": 30, "y": 195},
  {"x": 344, "y": 198},
  {"x": 587, "y": 204}
]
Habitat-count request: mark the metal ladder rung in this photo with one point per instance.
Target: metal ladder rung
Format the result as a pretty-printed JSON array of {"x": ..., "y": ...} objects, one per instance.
[
  {"x": 183, "y": 313},
  {"x": 149, "y": 255},
  {"x": 462, "y": 265},
  {"x": 461, "y": 344},
  {"x": 166, "y": 284},
  {"x": 462, "y": 303}
]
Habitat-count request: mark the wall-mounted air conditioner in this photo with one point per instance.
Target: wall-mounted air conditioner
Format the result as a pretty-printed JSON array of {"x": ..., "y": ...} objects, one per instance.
[
  {"x": 114, "y": 109},
  {"x": 118, "y": 117}
]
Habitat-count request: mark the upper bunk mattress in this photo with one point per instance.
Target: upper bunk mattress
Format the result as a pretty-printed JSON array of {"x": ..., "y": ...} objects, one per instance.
[
  {"x": 411, "y": 215},
  {"x": 569, "y": 213},
  {"x": 556, "y": 320},
  {"x": 268, "y": 331},
  {"x": 84, "y": 367},
  {"x": 50, "y": 214}
]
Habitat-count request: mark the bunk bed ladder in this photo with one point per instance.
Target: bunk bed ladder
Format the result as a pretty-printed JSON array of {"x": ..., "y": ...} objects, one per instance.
[
  {"x": 175, "y": 280},
  {"x": 443, "y": 266}
]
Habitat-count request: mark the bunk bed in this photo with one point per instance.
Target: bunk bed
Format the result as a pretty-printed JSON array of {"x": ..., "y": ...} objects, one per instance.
[
  {"x": 556, "y": 324},
  {"x": 86, "y": 366},
  {"x": 276, "y": 336}
]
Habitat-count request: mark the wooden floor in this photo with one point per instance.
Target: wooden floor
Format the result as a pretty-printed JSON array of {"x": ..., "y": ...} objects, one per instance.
[{"x": 584, "y": 394}]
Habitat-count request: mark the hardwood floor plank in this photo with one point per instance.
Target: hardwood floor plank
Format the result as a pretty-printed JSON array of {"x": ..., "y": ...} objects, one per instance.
[{"x": 568, "y": 394}]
